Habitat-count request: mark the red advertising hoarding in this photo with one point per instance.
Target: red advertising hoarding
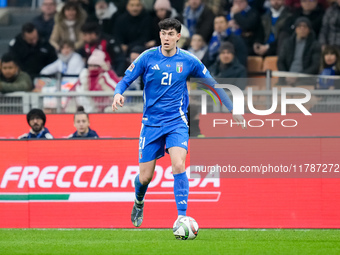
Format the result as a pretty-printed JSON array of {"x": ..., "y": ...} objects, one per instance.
[
  {"x": 89, "y": 184},
  {"x": 128, "y": 125}
]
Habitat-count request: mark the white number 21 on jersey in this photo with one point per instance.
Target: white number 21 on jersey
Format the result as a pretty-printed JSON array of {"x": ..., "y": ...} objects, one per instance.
[{"x": 166, "y": 80}]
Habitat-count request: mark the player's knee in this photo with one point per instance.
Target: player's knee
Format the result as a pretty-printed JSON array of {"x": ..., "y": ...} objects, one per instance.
[
  {"x": 178, "y": 167},
  {"x": 145, "y": 180}
]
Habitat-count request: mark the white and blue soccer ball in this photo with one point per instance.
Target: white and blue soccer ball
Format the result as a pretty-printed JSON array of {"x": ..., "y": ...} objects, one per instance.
[{"x": 185, "y": 228}]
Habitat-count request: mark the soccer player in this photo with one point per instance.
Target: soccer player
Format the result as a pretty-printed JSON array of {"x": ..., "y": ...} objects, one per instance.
[{"x": 164, "y": 125}]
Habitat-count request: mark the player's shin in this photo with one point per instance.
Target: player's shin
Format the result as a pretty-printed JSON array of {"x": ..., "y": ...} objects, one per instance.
[
  {"x": 140, "y": 189},
  {"x": 181, "y": 191}
]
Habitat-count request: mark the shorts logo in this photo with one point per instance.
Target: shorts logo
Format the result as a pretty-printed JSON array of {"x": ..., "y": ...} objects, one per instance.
[
  {"x": 131, "y": 67},
  {"x": 179, "y": 67},
  {"x": 140, "y": 155},
  {"x": 185, "y": 143}
]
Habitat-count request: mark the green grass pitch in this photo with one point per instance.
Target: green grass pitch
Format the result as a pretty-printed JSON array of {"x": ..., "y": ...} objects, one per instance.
[{"x": 162, "y": 241}]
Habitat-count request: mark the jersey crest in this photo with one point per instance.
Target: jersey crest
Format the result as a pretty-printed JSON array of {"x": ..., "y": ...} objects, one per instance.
[{"x": 179, "y": 67}]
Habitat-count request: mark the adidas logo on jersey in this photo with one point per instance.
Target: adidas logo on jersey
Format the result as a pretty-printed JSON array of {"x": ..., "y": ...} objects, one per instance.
[
  {"x": 155, "y": 67},
  {"x": 183, "y": 202},
  {"x": 185, "y": 143}
]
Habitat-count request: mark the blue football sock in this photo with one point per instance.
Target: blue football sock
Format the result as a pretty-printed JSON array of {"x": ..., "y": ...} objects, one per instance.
[
  {"x": 181, "y": 191},
  {"x": 140, "y": 189}
]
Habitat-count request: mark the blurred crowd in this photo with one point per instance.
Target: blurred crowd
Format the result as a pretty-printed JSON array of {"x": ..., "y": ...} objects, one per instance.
[{"x": 96, "y": 40}]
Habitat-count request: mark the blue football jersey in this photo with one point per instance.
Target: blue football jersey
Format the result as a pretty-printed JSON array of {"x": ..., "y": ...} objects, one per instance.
[{"x": 165, "y": 89}]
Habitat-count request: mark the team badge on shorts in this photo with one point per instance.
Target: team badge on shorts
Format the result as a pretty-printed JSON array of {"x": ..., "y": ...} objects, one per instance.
[{"x": 179, "y": 67}]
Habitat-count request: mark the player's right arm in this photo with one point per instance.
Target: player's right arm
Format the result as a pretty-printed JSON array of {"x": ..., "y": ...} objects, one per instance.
[
  {"x": 117, "y": 99},
  {"x": 132, "y": 73}
]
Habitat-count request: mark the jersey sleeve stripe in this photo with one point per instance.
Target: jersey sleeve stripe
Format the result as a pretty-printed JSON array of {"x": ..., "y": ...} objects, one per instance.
[{"x": 144, "y": 52}]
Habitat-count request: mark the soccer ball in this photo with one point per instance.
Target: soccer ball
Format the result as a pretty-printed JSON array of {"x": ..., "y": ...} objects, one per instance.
[{"x": 185, "y": 228}]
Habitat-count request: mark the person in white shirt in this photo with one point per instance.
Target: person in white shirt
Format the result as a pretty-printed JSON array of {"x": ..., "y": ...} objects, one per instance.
[{"x": 68, "y": 62}]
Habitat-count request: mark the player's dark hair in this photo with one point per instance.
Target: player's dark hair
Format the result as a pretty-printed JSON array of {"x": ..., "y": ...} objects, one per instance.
[
  {"x": 80, "y": 110},
  {"x": 90, "y": 27},
  {"x": 8, "y": 57},
  {"x": 170, "y": 23},
  {"x": 27, "y": 28}
]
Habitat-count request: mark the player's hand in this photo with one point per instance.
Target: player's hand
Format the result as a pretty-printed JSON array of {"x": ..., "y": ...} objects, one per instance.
[
  {"x": 240, "y": 121},
  {"x": 118, "y": 99}
]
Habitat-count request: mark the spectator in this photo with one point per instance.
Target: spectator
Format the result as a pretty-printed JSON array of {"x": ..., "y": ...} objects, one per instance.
[
  {"x": 295, "y": 4},
  {"x": 134, "y": 27},
  {"x": 134, "y": 54},
  {"x": 273, "y": 23},
  {"x": 95, "y": 40},
  {"x": 199, "y": 19},
  {"x": 97, "y": 77},
  {"x": 178, "y": 5},
  {"x": 216, "y": 5},
  {"x": 309, "y": 9},
  {"x": 68, "y": 62},
  {"x": 223, "y": 34},
  {"x": 330, "y": 31},
  {"x": 82, "y": 124},
  {"x": 330, "y": 65},
  {"x": 199, "y": 48},
  {"x": 106, "y": 16},
  {"x": 45, "y": 21},
  {"x": 259, "y": 5},
  {"x": 36, "y": 119},
  {"x": 11, "y": 78},
  {"x": 245, "y": 21},
  {"x": 301, "y": 52},
  {"x": 227, "y": 66},
  {"x": 31, "y": 53},
  {"x": 86, "y": 5},
  {"x": 164, "y": 10},
  {"x": 67, "y": 25}
]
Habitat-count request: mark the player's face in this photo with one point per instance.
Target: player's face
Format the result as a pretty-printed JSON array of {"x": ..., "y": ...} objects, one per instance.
[
  {"x": 36, "y": 123},
  {"x": 81, "y": 123},
  {"x": 9, "y": 69},
  {"x": 169, "y": 38}
]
